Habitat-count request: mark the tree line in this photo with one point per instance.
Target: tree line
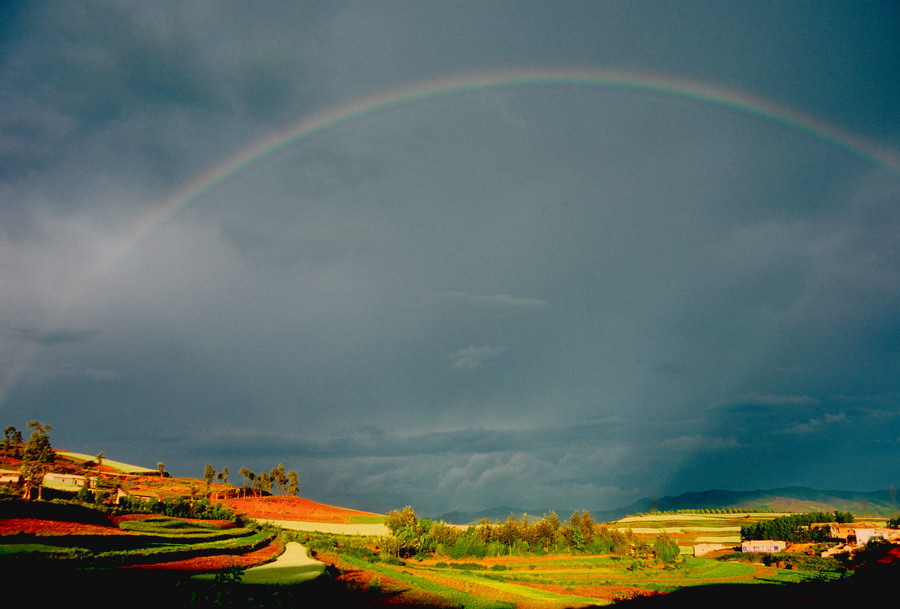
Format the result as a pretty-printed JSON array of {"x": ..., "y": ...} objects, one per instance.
[
  {"x": 796, "y": 528},
  {"x": 411, "y": 535},
  {"x": 38, "y": 458},
  {"x": 276, "y": 481},
  {"x": 177, "y": 507}
]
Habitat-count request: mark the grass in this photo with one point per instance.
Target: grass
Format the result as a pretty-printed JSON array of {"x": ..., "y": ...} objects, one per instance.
[
  {"x": 451, "y": 594},
  {"x": 367, "y": 519},
  {"x": 173, "y": 528},
  {"x": 568, "y": 581},
  {"x": 33, "y": 550},
  {"x": 294, "y": 566},
  {"x": 122, "y": 467}
]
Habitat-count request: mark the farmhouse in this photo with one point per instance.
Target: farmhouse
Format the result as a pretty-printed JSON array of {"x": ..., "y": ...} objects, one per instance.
[
  {"x": 859, "y": 534},
  {"x": 143, "y": 495},
  {"x": 705, "y": 548},
  {"x": 64, "y": 480},
  {"x": 763, "y": 545},
  {"x": 11, "y": 478}
]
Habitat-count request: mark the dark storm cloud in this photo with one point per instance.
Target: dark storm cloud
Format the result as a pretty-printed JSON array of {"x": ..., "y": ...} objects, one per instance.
[
  {"x": 54, "y": 337},
  {"x": 561, "y": 296},
  {"x": 369, "y": 441}
]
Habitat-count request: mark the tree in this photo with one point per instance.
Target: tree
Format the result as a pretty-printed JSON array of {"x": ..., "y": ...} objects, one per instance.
[
  {"x": 397, "y": 519},
  {"x": 509, "y": 531},
  {"x": 666, "y": 548},
  {"x": 279, "y": 478},
  {"x": 209, "y": 474},
  {"x": 12, "y": 440},
  {"x": 38, "y": 458},
  {"x": 223, "y": 475},
  {"x": 404, "y": 527},
  {"x": 161, "y": 468},
  {"x": 246, "y": 474},
  {"x": 264, "y": 483},
  {"x": 99, "y": 459},
  {"x": 293, "y": 487}
]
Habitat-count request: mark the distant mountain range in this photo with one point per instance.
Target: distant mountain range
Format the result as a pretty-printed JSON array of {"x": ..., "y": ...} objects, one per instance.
[{"x": 786, "y": 499}]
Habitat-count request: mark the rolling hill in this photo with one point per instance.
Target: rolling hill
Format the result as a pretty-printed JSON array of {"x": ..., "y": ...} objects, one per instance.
[{"x": 785, "y": 499}]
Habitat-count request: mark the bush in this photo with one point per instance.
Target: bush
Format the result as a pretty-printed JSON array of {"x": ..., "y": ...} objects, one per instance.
[
  {"x": 666, "y": 549},
  {"x": 468, "y": 566}
]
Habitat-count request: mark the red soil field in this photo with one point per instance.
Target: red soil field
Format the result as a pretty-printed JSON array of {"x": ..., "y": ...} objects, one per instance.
[
  {"x": 38, "y": 526},
  {"x": 219, "y": 561},
  {"x": 292, "y": 508}
]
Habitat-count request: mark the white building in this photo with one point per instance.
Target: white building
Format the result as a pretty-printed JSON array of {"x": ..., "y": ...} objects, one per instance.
[{"x": 763, "y": 545}]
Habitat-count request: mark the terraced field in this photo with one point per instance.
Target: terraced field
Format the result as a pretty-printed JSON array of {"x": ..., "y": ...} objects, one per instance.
[
  {"x": 63, "y": 535},
  {"x": 556, "y": 581},
  {"x": 690, "y": 529},
  {"x": 175, "y": 560}
]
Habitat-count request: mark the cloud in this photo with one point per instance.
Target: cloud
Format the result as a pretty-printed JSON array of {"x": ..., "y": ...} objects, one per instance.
[
  {"x": 472, "y": 357},
  {"x": 772, "y": 399},
  {"x": 815, "y": 425},
  {"x": 548, "y": 293},
  {"x": 500, "y": 301},
  {"x": 699, "y": 443},
  {"x": 52, "y": 337}
]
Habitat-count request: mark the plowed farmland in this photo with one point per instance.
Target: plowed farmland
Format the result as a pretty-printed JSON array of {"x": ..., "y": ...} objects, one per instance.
[{"x": 296, "y": 508}]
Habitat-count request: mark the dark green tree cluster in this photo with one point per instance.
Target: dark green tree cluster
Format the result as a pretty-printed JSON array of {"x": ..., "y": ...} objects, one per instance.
[
  {"x": 411, "y": 535},
  {"x": 177, "y": 507},
  {"x": 796, "y": 528},
  {"x": 12, "y": 442}
]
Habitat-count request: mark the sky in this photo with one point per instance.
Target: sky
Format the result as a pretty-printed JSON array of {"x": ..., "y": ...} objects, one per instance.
[{"x": 457, "y": 255}]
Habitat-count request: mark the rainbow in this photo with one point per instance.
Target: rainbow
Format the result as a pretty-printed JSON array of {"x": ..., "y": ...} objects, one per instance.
[
  {"x": 331, "y": 118},
  {"x": 337, "y": 116}
]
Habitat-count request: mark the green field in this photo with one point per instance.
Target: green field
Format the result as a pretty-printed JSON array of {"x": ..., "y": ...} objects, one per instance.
[
  {"x": 122, "y": 467},
  {"x": 529, "y": 579},
  {"x": 567, "y": 581}
]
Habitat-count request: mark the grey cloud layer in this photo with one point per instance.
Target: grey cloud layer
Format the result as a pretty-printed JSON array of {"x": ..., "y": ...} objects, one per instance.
[{"x": 533, "y": 294}]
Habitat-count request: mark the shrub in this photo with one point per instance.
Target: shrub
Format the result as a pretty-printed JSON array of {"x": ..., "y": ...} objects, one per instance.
[{"x": 666, "y": 549}]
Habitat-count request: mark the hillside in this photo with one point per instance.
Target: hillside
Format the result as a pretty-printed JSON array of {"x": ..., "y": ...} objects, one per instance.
[
  {"x": 110, "y": 478},
  {"x": 786, "y": 499}
]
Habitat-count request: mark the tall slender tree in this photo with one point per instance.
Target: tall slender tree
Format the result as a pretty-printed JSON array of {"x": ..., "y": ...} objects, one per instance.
[
  {"x": 279, "y": 479},
  {"x": 246, "y": 474},
  {"x": 209, "y": 474},
  {"x": 293, "y": 487},
  {"x": 38, "y": 458}
]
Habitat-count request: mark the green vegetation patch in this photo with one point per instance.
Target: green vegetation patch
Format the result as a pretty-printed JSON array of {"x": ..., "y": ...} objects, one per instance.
[
  {"x": 40, "y": 550},
  {"x": 367, "y": 519},
  {"x": 175, "y": 527},
  {"x": 122, "y": 467},
  {"x": 276, "y": 575},
  {"x": 463, "y": 599}
]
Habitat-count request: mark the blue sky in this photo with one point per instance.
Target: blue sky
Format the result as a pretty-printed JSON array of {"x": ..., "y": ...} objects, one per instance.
[{"x": 551, "y": 295}]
